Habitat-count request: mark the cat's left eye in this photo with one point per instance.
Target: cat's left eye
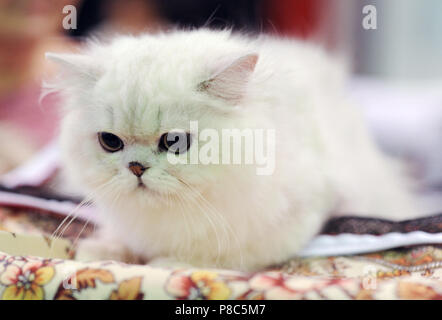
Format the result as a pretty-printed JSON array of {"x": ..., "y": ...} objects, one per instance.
[{"x": 110, "y": 142}]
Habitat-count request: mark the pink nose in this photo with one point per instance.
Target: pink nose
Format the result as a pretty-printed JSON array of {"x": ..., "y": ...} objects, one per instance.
[{"x": 137, "y": 168}]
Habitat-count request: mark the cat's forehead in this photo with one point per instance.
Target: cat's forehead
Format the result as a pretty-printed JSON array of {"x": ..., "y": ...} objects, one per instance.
[
  {"x": 139, "y": 112},
  {"x": 151, "y": 91}
]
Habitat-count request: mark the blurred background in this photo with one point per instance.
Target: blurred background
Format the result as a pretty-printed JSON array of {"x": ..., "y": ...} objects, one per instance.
[{"x": 396, "y": 66}]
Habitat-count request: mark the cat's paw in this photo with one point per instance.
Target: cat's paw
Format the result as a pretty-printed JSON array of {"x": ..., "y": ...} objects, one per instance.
[{"x": 98, "y": 250}]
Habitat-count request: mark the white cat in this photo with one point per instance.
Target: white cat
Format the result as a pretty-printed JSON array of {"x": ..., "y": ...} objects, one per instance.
[{"x": 121, "y": 98}]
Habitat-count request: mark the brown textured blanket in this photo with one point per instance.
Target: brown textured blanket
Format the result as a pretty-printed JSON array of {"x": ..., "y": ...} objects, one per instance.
[{"x": 400, "y": 273}]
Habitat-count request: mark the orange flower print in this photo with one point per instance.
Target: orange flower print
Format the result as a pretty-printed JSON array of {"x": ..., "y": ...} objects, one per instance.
[
  {"x": 198, "y": 285},
  {"x": 128, "y": 290},
  {"x": 25, "y": 283}
]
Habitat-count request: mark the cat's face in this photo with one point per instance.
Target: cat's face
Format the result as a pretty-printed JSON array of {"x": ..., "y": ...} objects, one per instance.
[
  {"x": 115, "y": 140},
  {"x": 124, "y": 145}
]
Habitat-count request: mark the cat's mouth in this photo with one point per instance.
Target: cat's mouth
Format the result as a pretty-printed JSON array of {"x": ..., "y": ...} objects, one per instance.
[{"x": 141, "y": 185}]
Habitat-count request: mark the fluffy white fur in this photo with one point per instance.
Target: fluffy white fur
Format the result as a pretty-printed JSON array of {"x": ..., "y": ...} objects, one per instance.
[{"x": 218, "y": 215}]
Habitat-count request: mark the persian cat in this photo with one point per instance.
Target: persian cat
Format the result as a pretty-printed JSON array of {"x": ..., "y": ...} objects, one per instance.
[{"x": 130, "y": 102}]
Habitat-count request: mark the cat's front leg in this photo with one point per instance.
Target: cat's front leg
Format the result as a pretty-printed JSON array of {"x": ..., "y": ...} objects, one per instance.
[
  {"x": 98, "y": 249},
  {"x": 168, "y": 262}
]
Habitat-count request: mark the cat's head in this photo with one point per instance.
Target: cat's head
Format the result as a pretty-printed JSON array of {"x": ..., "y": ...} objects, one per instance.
[{"x": 127, "y": 102}]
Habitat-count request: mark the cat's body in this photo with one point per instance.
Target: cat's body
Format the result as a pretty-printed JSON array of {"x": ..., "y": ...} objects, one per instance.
[{"x": 220, "y": 215}]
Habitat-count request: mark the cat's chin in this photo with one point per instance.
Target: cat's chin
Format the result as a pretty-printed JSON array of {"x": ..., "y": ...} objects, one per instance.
[
  {"x": 141, "y": 187},
  {"x": 149, "y": 197},
  {"x": 143, "y": 190}
]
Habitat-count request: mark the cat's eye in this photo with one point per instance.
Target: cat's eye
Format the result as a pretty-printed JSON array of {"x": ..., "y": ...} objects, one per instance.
[
  {"x": 110, "y": 142},
  {"x": 175, "y": 142}
]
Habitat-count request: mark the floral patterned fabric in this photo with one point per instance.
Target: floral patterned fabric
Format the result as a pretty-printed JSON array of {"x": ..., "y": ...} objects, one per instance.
[{"x": 38, "y": 267}]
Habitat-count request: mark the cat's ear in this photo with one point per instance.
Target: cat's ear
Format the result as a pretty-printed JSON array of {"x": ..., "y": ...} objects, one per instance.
[
  {"x": 231, "y": 82},
  {"x": 75, "y": 64}
]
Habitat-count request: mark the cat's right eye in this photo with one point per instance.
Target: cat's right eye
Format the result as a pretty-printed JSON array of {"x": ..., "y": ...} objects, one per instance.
[
  {"x": 110, "y": 142},
  {"x": 175, "y": 142}
]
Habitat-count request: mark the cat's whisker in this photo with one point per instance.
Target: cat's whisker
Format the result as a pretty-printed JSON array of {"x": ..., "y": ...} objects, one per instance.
[
  {"x": 186, "y": 221},
  {"x": 58, "y": 232},
  {"x": 74, "y": 243},
  {"x": 71, "y": 215},
  {"x": 211, "y": 222},
  {"x": 115, "y": 199},
  {"x": 226, "y": 228},
  {"x": 225, "y": 238},
  {"x": 187, "y": 217},
  {"x": 74, "y": 216},
  {"x": 224, "y": 223}
]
